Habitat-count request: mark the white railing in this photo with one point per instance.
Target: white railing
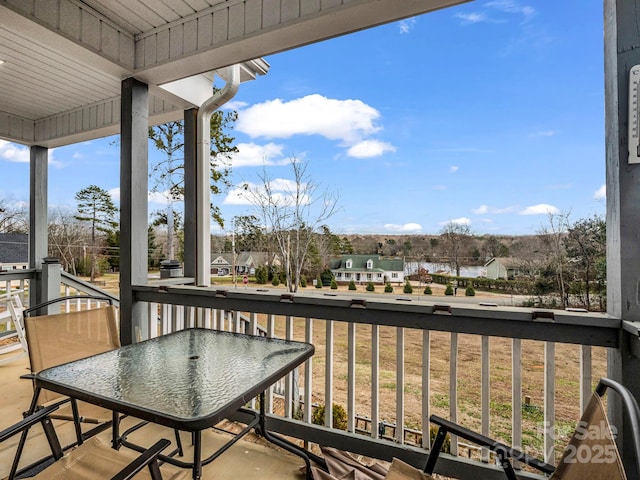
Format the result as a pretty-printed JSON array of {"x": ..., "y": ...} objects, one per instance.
[{"x": 387, "y": 379}]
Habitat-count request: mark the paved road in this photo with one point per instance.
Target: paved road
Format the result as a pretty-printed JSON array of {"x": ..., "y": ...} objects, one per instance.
[{"x": 498, "y": 300}]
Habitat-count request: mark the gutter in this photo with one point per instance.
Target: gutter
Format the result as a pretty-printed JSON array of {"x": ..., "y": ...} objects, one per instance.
[{"x": 203, "y": 173}]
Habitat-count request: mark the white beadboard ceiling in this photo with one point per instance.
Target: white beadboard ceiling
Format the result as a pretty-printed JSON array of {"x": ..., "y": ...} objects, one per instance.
[{"x": 64, "y": 60}]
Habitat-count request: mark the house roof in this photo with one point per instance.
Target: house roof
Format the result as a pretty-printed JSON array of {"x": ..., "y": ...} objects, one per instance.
[
  {"x": 359, "y": 263},
  {"x": 62, "y": 62},
  {"x": 506, "y": 262},
  {"x": 14, "y": 248}
]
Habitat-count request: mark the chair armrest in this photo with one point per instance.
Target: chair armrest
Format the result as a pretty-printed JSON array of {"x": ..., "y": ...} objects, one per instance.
[
  {"x": 149, "y": 458},
  {"x": 27, "y": 422},
  {"x": 491, "y": 444}
]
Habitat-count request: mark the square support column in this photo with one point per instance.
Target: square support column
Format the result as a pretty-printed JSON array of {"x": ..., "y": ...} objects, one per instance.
[
  {"x": 622, "y": 40},
  {"x": 134, "y": 186},
  {"x": 38, "y": 221},
  {"x": 190, "y": 207}
]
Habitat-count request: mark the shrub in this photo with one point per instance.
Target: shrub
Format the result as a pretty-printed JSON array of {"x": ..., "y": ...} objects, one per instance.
[
  {"x": 303, "y": 281},
  {"x": 448, "y": 290},
  {"x": 339, "y": 416},
  {"x": 388, "y": 288},
  {"x": 427, "y": 290},
  {"x": 319, "y": 282},
  {"x": 276, "y": 281},
  {"x": 352, "y": 285},
  {"x": 407, "y": 287},
  {"x": 326, "y": 276},
  {"x": 262, "y": 275},
  {"x": 470, "y": 292},
  {"x": 371, "y": 287},
  {"x": 334, "y": 284}
]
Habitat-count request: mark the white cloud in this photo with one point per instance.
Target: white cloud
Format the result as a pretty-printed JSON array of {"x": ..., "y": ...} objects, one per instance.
[
  {"x": 281, "y": 190},
  {"x": 115, "y": 194},
  {"x": 348, "y": 121},
  {"x": 252, "y": 155},
  {"x": 486, "y": 209},
  {"x": 468, "y": 18},
  {"x": 237, "y": 196},
  {"x": 407, "y": 25},
  {"x": 601, "y": 193},
  {"x": 407, "y": 227},
  {"x": 160, "y": 198},
  {"x": 458, "y": 221},
  {"x": 370, "y": 148},
  {"x": 440, "y": 188},
  {"x": 481, "y": 210},
  {"x": 511, "y": 6},
  {"x": 13, "y": 153},
  {"x": 540, "y": 209},
  {"x": 453, "y": 168}
]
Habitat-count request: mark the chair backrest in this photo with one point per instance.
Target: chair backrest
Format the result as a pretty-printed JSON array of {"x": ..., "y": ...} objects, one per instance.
[
  {"x": 592, "y": 451},
  {"x": 64, "y": 337}
]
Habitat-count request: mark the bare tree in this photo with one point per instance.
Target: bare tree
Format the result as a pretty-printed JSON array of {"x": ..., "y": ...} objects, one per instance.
[
  {"x": 455, "y": 242},
  {"x": 552, "y": 236},
  {"x": 13, "y": 217},
  {"x": 292, "y": 211},
  {"x": 66, "y": 239}
]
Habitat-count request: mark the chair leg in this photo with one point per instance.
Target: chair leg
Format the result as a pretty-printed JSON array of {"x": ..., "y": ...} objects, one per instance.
[{"x": 435, "y": 450}]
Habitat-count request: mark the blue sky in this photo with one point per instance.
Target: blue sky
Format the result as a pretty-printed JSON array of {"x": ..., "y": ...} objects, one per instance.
[{"x": 489, "y": 114}]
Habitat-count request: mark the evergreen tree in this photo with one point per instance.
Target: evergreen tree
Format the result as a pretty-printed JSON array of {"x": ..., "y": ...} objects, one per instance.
[{"x": 96, "y": 207}]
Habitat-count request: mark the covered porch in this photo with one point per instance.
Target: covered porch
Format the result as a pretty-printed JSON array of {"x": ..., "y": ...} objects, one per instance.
[{"x": 133, "y": 67}]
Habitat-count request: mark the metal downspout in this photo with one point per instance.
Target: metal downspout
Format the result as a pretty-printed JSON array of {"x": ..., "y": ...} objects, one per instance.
[{"x": 203, "y": 174}]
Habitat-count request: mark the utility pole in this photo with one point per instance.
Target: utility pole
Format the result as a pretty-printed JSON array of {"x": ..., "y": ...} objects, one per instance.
[{"x": 233, "y": 252}]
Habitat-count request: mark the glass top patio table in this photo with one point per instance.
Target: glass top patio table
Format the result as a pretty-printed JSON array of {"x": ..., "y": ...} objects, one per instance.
[{"x": 187, "y": 380}]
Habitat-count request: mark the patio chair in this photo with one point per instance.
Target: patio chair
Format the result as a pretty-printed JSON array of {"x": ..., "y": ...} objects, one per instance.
[
  {"x": 63, "y": 337},
  {"x": 91, "y": 460},
  {"x": 591, "y": 453},
  {"x": 17, "y": 350}
]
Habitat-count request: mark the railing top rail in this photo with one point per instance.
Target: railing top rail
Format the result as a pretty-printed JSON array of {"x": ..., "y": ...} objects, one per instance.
[
  {"x": 86, "y": 287},
  {"x": 514, "y": 322}
]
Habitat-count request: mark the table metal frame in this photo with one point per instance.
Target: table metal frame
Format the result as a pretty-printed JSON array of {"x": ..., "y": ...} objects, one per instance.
[{"x": 47, "y": 380}]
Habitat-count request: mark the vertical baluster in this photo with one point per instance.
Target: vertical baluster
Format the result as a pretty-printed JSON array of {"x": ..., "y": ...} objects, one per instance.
[
  {"x": 271, "y": 327},
  {"x": 237, "y": 321},
  {"x": 400, "y": 385},
  {"x": 288, "y": 381},
  {"x": 485, "y": 394},
  {"x": 253, "y": 323},
  {"x": 351, "y": 376},
  {"x": 328, "y": 376},
  {"x": 375, "y": 380},
  {"x": 215, "y": 319},
  {"x": 153, "y": 320},
  {"x": 308, "y": 372},
  {"x": 426, "y": 388},
  {"x": 166, "y": 319},
  {"x": 204, "y": 316},
  {"x": 549, "y": 401},
  {"x": 453, "y": 388},
  {"x": 585, "y": 376},
  {"x": 516, "y": 393}
]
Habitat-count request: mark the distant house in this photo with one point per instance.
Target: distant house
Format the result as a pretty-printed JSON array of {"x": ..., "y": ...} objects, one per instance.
[
  {"x": 246, "y": 263},
  {"x": 367, "y": 268},
  {"x": 14, "y": 251},
  {"x": 503, "y": 267}
]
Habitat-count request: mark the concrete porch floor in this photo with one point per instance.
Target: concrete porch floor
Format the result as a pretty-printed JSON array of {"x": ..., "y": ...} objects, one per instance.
[{"x": 251, "y": 457}]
